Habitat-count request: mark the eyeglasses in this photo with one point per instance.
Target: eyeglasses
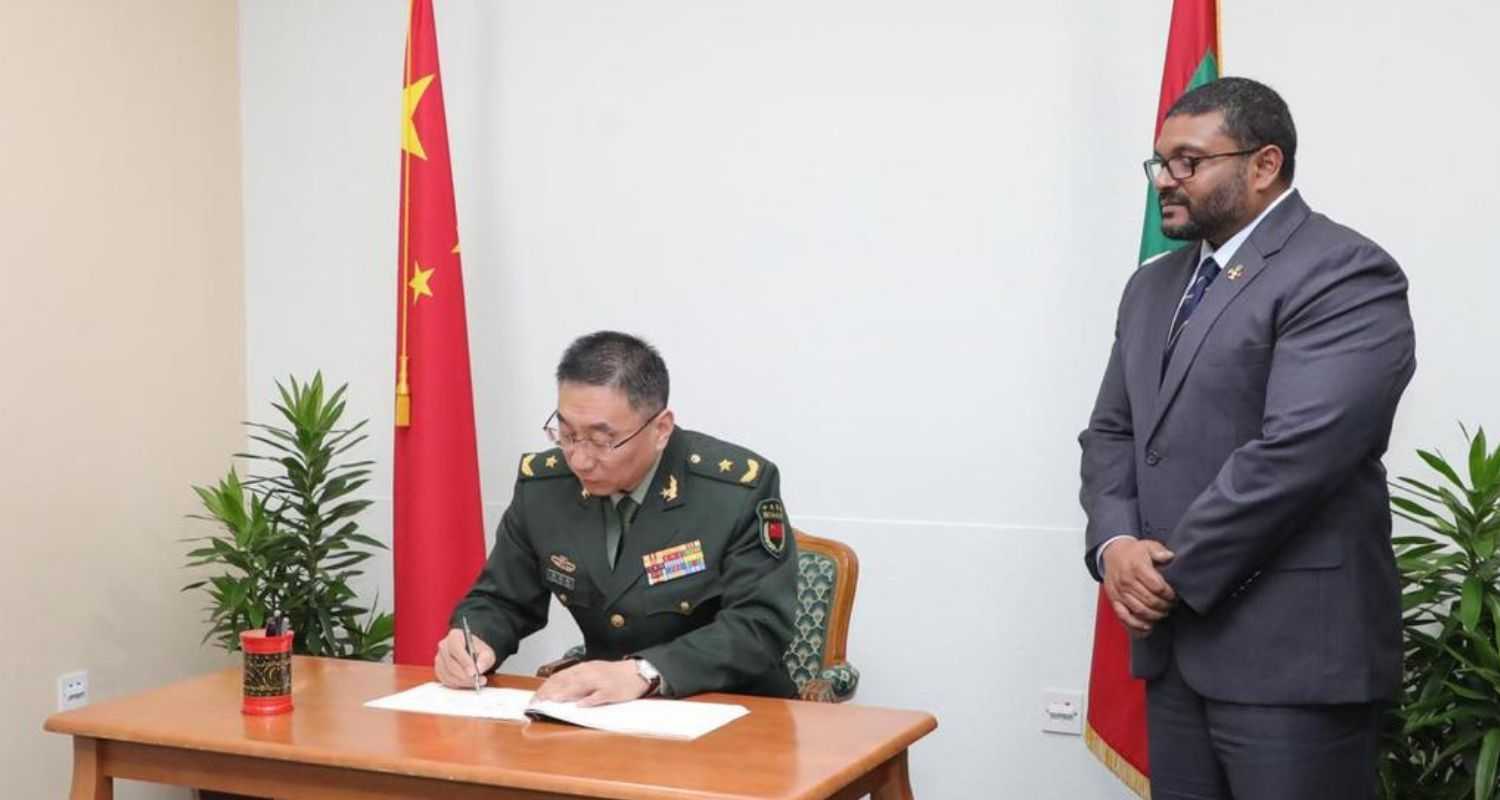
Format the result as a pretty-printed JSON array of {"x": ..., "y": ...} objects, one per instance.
[
  {"x": 597, "y": 445},
  {"x": 1182, "y": 167}
]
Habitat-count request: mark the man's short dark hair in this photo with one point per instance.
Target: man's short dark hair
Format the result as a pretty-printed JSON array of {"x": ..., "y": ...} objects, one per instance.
[
  {"x": 1254, "y": 116},
  {"x": 619, "y": 361}
]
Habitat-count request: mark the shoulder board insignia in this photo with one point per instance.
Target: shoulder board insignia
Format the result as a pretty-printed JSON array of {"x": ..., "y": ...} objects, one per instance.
[
  {"x": 737, "y": 467},
  {"x": 547, "y": 464}
]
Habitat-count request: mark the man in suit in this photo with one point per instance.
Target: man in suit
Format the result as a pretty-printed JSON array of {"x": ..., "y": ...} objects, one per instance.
[
  {"x": 1236, "y": 502},
  {"x": 671, "y": 549}
]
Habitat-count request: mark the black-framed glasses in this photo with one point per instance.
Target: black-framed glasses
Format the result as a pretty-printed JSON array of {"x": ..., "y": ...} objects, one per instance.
[
  {"x": 1182, "y": 167},
  {"x": 597, "y": 445}
]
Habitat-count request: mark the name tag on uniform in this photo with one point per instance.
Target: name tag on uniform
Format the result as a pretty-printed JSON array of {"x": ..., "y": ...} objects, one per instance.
[
  {"x": 565, "y": 581},
  {"x": 674, "y": 562}
]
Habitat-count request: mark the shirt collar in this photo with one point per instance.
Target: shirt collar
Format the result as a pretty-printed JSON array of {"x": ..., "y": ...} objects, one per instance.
[
  {"x": 638, "y": 494},
  {"x": 1227, "y": 250}
]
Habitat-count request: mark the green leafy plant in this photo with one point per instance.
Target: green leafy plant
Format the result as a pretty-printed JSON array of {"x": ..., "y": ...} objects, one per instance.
[
  {"x": 288, "y": 541},
  {"x": 1443, "y": 737}
]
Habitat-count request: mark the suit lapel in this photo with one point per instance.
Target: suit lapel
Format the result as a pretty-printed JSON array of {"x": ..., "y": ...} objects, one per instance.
[
  {"x": 1236, "y": 276},
  {"x": 1267, "y": 239},
  {"x": 1162, "y": 306},
  {"x": 655, "y": 526},
  {"x": 585, "y": 522}
]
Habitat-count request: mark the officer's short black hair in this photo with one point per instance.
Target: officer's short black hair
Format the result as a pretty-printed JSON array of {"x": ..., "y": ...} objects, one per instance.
[
  {"x": 620, "y": 361},
  {"x": 1254, "y": 116}
]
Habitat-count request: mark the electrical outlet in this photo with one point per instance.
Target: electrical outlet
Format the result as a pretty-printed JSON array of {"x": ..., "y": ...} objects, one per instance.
[
  {"x": 1062, "y": 711},
  {"x": 72, "y": 690}
]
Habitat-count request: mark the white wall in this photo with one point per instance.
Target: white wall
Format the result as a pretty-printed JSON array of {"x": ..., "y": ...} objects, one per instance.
[
  {"x": 881, "y": 242},
  {"x": 123, "y": 376}
]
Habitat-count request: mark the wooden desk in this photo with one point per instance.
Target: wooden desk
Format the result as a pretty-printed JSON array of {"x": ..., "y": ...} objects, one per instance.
[{"x": 332, "y": 747}]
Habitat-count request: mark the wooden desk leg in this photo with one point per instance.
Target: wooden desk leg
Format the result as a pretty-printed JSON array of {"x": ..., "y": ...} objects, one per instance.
[
  {"x": 89, "y": 780},
  {"x": 897, "y": 785}
]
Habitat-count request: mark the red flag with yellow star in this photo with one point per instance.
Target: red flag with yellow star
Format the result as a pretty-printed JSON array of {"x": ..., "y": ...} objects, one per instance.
[{"x": 439, "y": 524}]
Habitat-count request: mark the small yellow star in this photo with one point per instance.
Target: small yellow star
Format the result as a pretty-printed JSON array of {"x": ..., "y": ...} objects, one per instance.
[
  {"x": 410, "y": 97},
  {"x": 551, "y": 462},
  {"x": 419, "y": 285},
  {"x": 726, "y": 465}
]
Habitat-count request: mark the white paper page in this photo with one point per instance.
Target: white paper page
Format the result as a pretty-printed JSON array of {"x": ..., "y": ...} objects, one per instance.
[
  {"x": 669, "y": 718},
  {"x": 434, "y": 698}
]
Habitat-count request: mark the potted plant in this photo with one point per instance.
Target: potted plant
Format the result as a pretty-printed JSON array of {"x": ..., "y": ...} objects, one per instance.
[
  {"x": 1443, "y": 736},
  {"x": 288, "y": 542}
]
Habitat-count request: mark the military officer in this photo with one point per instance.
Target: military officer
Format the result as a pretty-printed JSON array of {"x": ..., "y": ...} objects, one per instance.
[{"x": 671, "y": 549}]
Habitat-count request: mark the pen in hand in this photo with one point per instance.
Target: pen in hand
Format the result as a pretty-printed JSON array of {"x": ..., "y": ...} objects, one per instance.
[{"x": 469, "y": 648}]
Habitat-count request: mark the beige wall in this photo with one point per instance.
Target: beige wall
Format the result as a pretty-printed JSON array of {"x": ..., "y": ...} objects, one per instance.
[{"x": 121, "y": 347}]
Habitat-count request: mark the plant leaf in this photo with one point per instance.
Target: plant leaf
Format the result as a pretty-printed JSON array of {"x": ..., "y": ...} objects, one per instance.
[
  {"x": 1484, "y": 767},
  {"x": 1469, "y": 604},
  {"x": 1438, "y": 463}
]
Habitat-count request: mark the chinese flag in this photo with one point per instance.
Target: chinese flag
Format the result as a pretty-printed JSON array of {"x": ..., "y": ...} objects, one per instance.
[
  {"x": 1116, "y": 731},
  {"x": 439, "y": 526}
]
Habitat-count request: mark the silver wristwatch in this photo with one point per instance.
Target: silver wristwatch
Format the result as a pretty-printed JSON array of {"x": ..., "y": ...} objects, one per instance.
[{"x": 649, "y": 674}]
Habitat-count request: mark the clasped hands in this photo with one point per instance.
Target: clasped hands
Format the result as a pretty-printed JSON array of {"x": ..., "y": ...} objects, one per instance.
[
  {"x": 1137, "y": 592},
  {"x": 592, "y": 683}
]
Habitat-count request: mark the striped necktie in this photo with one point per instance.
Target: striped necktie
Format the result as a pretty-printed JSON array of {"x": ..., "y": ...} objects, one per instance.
[{"x": 1207, "y": 271}]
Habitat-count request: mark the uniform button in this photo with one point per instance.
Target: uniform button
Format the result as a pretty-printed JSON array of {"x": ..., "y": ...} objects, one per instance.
[
  {"x": 1152, "y": 458},
  {"x": 617, "y": 621},
  {"x": 563, "y": 597},
  {"x": 685, "y": 606}
]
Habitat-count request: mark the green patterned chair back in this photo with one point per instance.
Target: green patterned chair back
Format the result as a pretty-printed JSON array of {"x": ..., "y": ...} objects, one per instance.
[{"x": 827, "y": 574}]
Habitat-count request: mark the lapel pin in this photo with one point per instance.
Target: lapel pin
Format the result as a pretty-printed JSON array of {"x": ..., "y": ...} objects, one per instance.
[{"x": 1235, "y": 272}]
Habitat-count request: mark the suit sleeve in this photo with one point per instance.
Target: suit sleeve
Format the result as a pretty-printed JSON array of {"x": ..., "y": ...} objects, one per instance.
[
  {"x": 508, "y": 601},
  {"x": 754, "y": 625},
  {"x": 1108, "y": 492},
  {"x": 1344, "y": 353}
]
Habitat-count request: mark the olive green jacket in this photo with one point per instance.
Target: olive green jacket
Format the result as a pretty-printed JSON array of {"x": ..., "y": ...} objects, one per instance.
[{"x": 722, "y": 628}]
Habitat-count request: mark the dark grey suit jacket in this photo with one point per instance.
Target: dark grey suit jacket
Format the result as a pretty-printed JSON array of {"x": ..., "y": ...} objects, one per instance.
[{"x": 1256, "y": 459}]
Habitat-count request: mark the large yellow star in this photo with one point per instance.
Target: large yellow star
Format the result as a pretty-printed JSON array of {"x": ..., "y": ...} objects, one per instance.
[
  {"x": 418, "y": 283},
  {"x": 411, "y": 96}
]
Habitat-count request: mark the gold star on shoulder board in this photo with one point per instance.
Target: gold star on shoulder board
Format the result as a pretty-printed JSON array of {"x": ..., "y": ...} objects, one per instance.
[
  {"x": 551, "y": 462},
  {"x": 726, "y": 465},
  {"x": 1235, "y": 272}
]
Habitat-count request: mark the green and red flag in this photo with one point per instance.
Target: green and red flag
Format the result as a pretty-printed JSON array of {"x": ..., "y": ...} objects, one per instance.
[
  {"x": 1116, "y": 730},
  {"x": 438, "y": 518}
]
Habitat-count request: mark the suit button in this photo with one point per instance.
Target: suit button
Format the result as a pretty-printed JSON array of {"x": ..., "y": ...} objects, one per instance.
[
  {"x": 616, "y": 621},
  {"x": 685, "y": 606},
  {"x": 563, "y": 597},
  {"x": 1152, "y": 458}
]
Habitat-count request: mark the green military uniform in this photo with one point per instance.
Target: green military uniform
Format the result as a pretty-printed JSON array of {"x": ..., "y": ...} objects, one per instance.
[{"x": 704, "y": 587}]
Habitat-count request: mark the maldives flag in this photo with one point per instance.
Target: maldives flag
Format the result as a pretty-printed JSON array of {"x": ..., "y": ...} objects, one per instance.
[
  {"x": 439, "y": 527},
  {"x": 1116, "y": 730}
]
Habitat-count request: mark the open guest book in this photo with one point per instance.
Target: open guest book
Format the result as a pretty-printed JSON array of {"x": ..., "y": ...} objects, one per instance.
[{"x": 672, "y": 719}]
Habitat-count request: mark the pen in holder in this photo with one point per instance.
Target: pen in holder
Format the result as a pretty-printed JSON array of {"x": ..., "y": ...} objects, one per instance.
[{"x": 268, "y": 672}]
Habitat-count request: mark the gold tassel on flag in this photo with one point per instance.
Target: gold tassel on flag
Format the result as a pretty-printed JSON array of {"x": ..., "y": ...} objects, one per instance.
[{"x": 403, "y": 398}]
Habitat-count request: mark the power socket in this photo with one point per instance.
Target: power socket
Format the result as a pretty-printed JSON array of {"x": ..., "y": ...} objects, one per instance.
[
  {"x": 1062, "y": 711},
  {"x": 73, "y": 690}
]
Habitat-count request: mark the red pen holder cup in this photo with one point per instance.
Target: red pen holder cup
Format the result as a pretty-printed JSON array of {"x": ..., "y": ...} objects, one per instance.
[{"x": 268, "y": 672}]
